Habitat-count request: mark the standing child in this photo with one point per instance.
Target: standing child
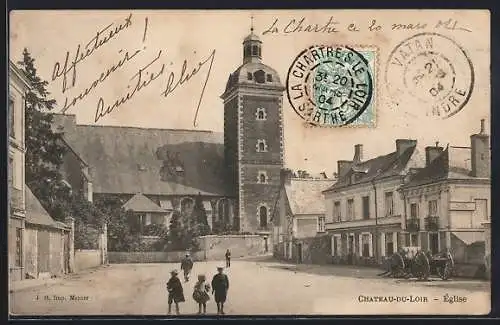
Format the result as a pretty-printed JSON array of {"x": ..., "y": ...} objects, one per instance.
[
  {"x": 200, "y": 294},
  {"x": 175, "y": 292}
]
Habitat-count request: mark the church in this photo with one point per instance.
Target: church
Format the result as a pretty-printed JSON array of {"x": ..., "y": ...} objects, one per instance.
[{"x": 156, "y": 172}]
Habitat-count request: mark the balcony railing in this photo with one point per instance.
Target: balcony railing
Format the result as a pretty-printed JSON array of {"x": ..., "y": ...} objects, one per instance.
[
  {"x": 413, "y": 225},
  {"x": 432, "y": 223}
]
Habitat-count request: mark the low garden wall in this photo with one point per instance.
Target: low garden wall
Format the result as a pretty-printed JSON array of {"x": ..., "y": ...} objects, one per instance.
[{"x": 152, "y": 257}]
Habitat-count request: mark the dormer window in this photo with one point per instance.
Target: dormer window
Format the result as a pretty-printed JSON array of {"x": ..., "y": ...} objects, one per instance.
[
  {"x": 269, "y": 77},
  {"x": 262, "y": 178},
  {"x": 260, "y": 76},
  {"x": 261, "y": 145},
  {"x": 261, "y": 114}
]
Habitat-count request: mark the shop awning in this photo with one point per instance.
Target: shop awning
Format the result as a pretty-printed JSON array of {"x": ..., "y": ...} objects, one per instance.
[{"x": 469, "y": 237}]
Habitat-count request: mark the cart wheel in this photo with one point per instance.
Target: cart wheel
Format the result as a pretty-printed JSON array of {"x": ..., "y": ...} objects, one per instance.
[
  {"x": 397, "y": 265},
  {"x": 446, "y": 270},
  {"x": 421, "y": 266}
]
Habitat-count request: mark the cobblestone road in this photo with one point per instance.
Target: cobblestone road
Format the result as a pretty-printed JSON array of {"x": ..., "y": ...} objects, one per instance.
[{"x": 257, "y": 287}]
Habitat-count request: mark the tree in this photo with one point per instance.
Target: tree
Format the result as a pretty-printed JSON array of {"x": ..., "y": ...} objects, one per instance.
[
  {"x": 44, "y": 151},
  {"x": 121, "y": 237},
  {"x": 180, "y": 236},
  {"x": 198, "y": 220}
]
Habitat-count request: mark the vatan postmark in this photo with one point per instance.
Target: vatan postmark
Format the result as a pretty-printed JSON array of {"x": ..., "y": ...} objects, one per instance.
[
  {"x": 333, "y": 85},
  {"x": 430, "y": 72}
]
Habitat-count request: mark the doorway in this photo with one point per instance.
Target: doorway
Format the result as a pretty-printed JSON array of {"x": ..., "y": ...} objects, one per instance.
[
  {"x": 350, "y": 249},
  {"x": 299, "y": 253},
  {"x": 434, "y": 242}
]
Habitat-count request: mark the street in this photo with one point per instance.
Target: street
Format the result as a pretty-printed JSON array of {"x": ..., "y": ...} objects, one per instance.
[{"x": 257, "y": 287}]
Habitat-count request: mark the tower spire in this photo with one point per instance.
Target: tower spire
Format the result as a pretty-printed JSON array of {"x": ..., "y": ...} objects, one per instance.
[{"x": 251, "y": 23}]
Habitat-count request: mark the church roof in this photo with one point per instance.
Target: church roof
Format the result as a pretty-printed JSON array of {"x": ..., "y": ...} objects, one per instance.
[
  {"x": 129, "y": 160},
  {"x": 240, "y": 76},
  {"x": 252, "y": 37},
  {"x": 140, "y": 203}
]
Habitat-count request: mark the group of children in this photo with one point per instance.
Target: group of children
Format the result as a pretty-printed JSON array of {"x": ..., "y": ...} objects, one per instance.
[{"x": 219, "y": 287}]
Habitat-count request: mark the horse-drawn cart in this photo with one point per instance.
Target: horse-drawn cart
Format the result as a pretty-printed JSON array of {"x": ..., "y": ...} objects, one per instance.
[{"x": 413, "y": 262}]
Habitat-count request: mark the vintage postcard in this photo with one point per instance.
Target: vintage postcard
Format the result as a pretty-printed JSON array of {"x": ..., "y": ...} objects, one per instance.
[{"x": 235, "y": 162}]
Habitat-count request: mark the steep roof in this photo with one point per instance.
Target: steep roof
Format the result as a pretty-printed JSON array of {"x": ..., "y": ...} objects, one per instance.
[
  {"x": 140, "y": 203},
  {"x": 36, "y": 214},
  {"x": 450, "y": 164},
  {"x": 305, "y": 195},
  {"x": 388, "y": 165},
  {"x": 149, "y": 161}
]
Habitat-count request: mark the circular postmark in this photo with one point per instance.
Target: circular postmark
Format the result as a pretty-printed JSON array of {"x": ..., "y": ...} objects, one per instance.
[
  {"x": 432, "y": 72},
  {"x": 330, "y": 85}
]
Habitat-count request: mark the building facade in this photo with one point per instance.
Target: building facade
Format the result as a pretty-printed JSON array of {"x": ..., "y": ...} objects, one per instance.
[
  {"x": 448, "y": 201},
  {"x": 253, "y": 137},
  {"x": 299, "y": 215},
  {"x": 363, "y": 208},
  {"x": 18, "y": 87}
]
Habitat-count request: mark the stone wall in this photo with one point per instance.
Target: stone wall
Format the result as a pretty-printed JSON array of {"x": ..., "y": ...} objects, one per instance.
[
  {"x": 87, "y": 259},
  {"x": 152, "y": 257},
  {"x": 316, "y": 250},
  {"x": 215, "y": 247}
]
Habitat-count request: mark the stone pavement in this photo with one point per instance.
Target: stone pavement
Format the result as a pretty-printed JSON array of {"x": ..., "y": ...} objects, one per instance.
[{"x": 257, "y": 287}]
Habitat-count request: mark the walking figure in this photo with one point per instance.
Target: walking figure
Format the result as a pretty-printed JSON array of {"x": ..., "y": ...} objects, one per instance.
[
  {"x": 220, "y": 286},
  {"x": 175, "y": 292},
  {"x": 200, "y": 293},
  {"x": 228, "y": 258},
  {"x": 186, "y": 266}
]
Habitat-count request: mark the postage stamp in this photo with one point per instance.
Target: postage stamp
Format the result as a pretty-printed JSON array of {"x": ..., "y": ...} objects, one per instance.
[
  {"x": 333, "y": 85},
  {"x": 433, "y": 70}
]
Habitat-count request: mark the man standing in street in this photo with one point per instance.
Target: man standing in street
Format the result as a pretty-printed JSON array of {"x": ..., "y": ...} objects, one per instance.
[
  {"x": 186, "y": 266},
  {"x": 220, "y": 286},
  {"x": 228, "y": 258}
]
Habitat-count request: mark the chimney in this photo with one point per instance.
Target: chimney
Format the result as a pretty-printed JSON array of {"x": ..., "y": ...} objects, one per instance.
[
  {"x": 432, "y": 153},
  {"x": 323, "y": 175},
  {"x": 403, "y": 144},
  {"x": 480, "y": 153},
  {"x": 358, "y": 152},
  {"x": 286, "y": 176},
  {"x": 343, "y": 166}
]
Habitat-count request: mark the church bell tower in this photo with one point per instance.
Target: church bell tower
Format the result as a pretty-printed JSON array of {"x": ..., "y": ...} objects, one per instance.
[{"x": 253, "y": 137}]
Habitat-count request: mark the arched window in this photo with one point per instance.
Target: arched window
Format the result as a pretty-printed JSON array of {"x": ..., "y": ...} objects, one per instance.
[
  {"x": 262, "y": 147},
  {"x": 262, "y": 178},
  {"x": 187, "y": 206},
  {"x": 246, "y": 52},
  {"x": 261, "y": 114},
  {"x": 223, "y": 210},
  {"x": 255, "y": 50},
  {"x": 263, "y": 216}
]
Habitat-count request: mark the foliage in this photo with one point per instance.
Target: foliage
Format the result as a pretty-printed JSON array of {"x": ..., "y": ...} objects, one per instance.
[
  {"x": 121, "y": 236},
  {"x": 180, "y": 235},
  {"x": 44, "y": 151},
  {"x": 220, "y": 228}
]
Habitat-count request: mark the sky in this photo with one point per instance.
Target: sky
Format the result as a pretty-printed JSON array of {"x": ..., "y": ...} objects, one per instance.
[{"x": 204, "y": 37}]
